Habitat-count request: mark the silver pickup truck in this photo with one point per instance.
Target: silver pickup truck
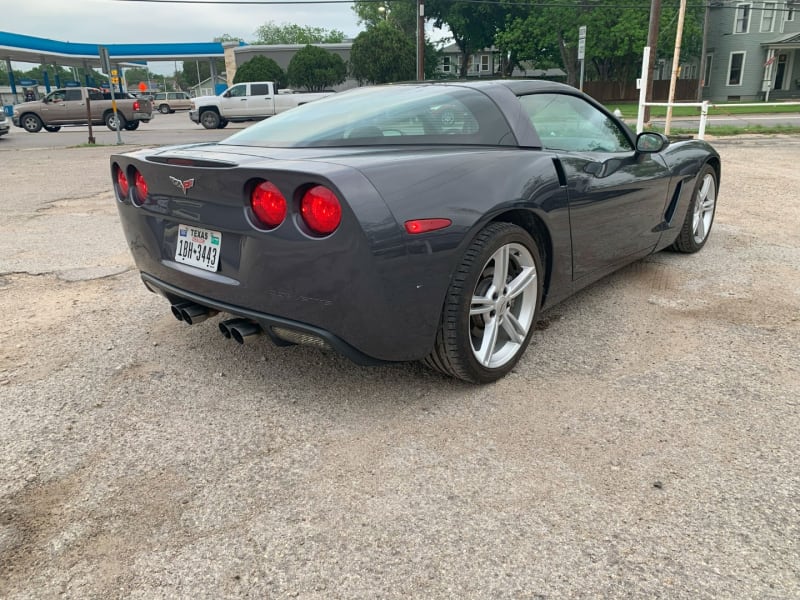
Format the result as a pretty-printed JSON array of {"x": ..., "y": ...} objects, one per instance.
[{"x": 67, "y": 106}]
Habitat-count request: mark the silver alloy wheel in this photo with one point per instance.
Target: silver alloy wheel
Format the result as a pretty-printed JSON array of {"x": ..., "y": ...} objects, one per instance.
[
  {"x": 503, "y": 305},
  {"x": 704, "y": 204},
  {"x": 111, "y": 122}
]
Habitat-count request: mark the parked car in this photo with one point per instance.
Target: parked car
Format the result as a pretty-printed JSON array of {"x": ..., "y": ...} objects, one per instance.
[
  {"x": 67, "y": 106},
  {"x": 5, "y": 126},
  {"x": 169, "y": 102},
  {"x": 373, "y": 223}
]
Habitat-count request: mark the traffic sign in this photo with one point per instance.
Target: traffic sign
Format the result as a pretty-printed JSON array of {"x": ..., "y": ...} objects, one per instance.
[
  {"x": 581, "y": 42},
  {"x": 105, "y": 61}
]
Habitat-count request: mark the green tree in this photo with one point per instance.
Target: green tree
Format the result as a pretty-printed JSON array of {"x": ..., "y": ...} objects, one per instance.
[
  {"x": 399, "y": 13},
  {"x": 548, "y": 37},
  {"x": 474, "y": 25},
  {"x": 260, "y": 68},
  {"x": 316, "y": 69},
  {"x": 383, "y": 54},
  {"x": 188, "y": 76},
  {"x": 288, "y": 33}
]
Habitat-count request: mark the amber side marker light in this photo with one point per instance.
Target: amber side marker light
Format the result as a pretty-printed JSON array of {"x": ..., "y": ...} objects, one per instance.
[{"x": 425, "y": 225}]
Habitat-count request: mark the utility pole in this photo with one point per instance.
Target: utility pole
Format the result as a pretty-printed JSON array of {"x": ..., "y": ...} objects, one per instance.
[
  {"x": 420, "y": 40},
  {"x": 676, "y": 62},
  {"x": 652, "y": 41},
  {"x": 702, "y": 75}
]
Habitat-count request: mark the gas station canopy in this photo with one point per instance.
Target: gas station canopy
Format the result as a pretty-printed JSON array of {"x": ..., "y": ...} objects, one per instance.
[{"x": 25, "y": 48}]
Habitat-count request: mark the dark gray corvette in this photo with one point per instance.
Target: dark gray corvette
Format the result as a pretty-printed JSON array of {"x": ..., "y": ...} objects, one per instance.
[{"x": 410, "y": 222}]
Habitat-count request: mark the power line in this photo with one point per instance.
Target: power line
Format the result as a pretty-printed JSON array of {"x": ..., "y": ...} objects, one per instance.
[{"x": 499, "y": 2}]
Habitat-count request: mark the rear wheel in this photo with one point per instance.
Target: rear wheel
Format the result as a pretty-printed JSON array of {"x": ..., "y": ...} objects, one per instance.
[
  {"x": 491, "y": 306},
  {"x": 111, "y": 121},
  {"x": 132, "y": 125},
  {"x": 699, "y": 214},
  {"x": 164, "y": 109},
  {"x": 52, "y": 128},
  {"x": 209, "y": 119},
  {"x": 31, "y": 123}
]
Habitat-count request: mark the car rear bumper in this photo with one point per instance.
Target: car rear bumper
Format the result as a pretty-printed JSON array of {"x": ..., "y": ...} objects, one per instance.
[{"x": 277, "y": 328}]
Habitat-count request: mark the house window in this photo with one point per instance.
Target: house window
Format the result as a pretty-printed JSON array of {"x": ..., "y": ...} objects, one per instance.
[
  {"x": 735, "y": 68},
  {"x": 689, "y": 71},
  {"x": 707, "y": 73},
  {"x": 768, "y": 16},
  {"x": 484, "y": 62},
  {"x": 790, "y": 12},
  {"x": 446, "y": 64},
  {"x": 742, "y": 19}
]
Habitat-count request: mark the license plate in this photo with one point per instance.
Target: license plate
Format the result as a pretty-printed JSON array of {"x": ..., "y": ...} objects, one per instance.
[{"x": 198, "y": 247}]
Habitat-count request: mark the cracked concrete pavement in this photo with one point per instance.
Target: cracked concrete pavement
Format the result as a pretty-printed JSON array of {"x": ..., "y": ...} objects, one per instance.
[{"x": 645, "y": 447}]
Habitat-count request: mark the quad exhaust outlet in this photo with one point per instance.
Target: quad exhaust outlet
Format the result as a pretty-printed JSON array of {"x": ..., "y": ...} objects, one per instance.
[
  {"x": 191, "y": 313},
  {"x": 240, "y": 329}
]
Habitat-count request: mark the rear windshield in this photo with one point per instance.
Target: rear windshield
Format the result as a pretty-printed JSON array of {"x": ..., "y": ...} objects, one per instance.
[{"x": 399, "y": 114}]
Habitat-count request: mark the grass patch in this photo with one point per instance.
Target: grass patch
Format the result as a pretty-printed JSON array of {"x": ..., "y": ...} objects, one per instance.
[{"x": 630, "y": 110}]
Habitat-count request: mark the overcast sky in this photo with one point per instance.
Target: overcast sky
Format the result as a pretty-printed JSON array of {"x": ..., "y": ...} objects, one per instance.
[{"x": 110, "y": 21}]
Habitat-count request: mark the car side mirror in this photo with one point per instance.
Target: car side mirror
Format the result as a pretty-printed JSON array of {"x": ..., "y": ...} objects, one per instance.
[
  {"x": 651, "y": 142},
  {"x": 226, "y": 95}
]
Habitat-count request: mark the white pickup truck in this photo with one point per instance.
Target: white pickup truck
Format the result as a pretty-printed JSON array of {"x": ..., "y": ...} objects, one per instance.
[{"x": 246, "y": 102}]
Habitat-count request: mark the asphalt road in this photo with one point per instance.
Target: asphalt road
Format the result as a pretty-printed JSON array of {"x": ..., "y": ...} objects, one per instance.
[
  {"x": 645, "y": 446},
  {"x": 177, "y": 128}
]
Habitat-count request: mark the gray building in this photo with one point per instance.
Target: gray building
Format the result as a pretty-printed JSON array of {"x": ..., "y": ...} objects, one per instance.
[
  {"x": 753, "y": 51},
  {"x": 236, "y": 55}
]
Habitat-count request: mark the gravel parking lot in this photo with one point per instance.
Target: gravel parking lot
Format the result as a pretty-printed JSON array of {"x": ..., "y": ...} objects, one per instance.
[{"x": 646, "y": 446}]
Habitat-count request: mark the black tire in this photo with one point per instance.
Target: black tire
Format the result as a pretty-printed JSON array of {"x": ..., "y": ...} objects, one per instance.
[
  {"x": 699, "y": 214},
  {"x": 223, "y": 123},
  {"x": 111, "y": 121},
  {"x": 31, "y": 123},
  {"x": 52, "y": 128},
  {"x": 132, "y": 125},
  {"x": 164, "y": 109},
  {"x": 475, "y": 306},
  {"x": 209, "y": 119}
]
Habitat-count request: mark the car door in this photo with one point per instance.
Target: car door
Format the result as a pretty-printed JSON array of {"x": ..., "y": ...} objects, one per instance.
[
  {"x": 260, "y": 103},
  {"x": 53, "y": 108},
  {"x": 617, "y": 196},
  {"x": 234, "y": 101},
  {"x": 74, "y": 105}
]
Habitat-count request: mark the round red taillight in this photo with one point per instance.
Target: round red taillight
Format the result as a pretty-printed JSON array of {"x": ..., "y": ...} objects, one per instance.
[
  {"x": 141, "y": 187},
  {"x": 122, "y": 182},
  {"x": 321, "y": 210},
  {"x": 268, "y": 204}
]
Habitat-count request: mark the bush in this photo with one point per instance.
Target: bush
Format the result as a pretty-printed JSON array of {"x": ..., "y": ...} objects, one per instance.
[
  {"x": 260, "y": 68},
  {"x": 316, "y": 69}
]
